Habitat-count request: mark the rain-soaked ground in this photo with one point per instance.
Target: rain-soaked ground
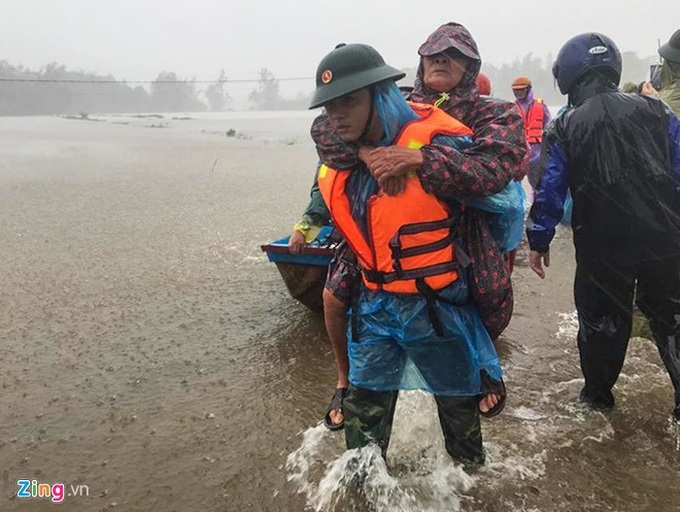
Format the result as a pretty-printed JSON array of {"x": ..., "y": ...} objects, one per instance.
[{"x": 151, "y": 359}]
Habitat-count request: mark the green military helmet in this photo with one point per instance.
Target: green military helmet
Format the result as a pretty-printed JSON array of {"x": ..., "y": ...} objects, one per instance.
[
  {"x": 348, "y": 68},
  {"x": 671, "y": 50}
]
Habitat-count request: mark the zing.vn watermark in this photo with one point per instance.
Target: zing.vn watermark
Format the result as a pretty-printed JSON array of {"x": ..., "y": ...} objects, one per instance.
[{"x": 55, "y": 492}]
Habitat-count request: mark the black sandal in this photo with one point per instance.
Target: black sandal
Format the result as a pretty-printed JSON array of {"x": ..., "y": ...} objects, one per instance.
[
  {"x": 335, "y": 405},
  {"x": 493, "y": 387}
]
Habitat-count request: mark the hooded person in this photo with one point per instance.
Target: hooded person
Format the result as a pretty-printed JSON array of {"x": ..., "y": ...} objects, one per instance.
[
  {"x": 670, "y": 72},
  {"x": 619, "y": 155},
  {"x": 412, "y": 324},
  {"x": 498, "y": 152},
  {"x": 499, "y": 146}
]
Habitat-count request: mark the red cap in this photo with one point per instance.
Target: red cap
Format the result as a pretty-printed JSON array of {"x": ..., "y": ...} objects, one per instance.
[{"x": 484, "y": 84}]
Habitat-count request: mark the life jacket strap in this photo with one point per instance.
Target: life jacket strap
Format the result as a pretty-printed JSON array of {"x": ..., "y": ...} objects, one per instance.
[
  {"x": 378, "y": 277},
  {"x": 354, "y": 314},
  {"x": 398, "y": 252},
  {"x": 430, "y": 301},
  {"x": 431, "y": 297},
  {"x": 420, "y": 227}
]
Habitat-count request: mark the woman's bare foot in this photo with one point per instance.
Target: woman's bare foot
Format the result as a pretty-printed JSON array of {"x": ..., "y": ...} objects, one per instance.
[
  {"x": 489, "y": 402},
  {"x": 335, "y": 419},
  {"x": 336, "y": 416}
]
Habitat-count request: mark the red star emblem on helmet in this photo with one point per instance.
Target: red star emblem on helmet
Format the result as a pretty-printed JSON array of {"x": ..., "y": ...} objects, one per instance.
[{"x": 326, "y": 76}]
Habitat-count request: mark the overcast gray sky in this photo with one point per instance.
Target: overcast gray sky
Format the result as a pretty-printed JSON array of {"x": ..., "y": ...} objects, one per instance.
[{"x": 136, "y": 39}]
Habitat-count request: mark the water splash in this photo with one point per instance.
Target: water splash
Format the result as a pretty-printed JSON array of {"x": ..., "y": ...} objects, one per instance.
[
  {"x": 605, "y": 434},
  {"x": 518, "y": 467},
  {"x": 567, "y": 328},
  {"x": 674, "y": 431},
  {"x": 362, "y": 472},
  {"x": 302, "y": 464},
  {"x": 525, "y": 413},
  {"x": 419, "y": 477},
  {"x": 361, "y": 477}
]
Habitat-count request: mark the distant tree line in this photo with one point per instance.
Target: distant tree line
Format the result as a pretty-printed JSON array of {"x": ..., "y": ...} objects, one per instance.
[
  {"x": 48, "y": 90},
  {"x": 539, "y": 70},
  {"x": 56, "y": 90},
  {"x": 267, "y": 96}
]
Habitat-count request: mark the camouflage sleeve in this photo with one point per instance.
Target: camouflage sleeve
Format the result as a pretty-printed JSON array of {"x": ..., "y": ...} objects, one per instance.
[
  {"x": 331, "y": 149},
  {"x": 316, "y": 212},
  {"x": 498, "y": 154}
]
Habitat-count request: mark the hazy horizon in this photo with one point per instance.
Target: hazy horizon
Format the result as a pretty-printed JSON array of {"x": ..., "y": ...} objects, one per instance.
[{"x": 136, "y": 40}]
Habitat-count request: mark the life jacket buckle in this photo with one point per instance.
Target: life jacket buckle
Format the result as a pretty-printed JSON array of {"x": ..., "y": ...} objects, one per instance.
[
  {"x": 374, "y": 276},
  {"x": 398, "y": 270}
]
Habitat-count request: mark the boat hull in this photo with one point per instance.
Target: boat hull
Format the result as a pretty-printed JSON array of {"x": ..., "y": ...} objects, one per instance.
[
  {"x": 305, "y": 283},
  {"x": 303, "y": 274}
]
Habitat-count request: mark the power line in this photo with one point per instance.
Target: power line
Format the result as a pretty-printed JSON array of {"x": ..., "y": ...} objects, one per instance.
[{"x": 78, "y": 81}]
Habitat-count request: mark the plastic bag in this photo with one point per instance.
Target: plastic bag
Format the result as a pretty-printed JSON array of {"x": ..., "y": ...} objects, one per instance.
[
  {"x": 507, "y": 223},
  {"x": 397, "y": 347}
]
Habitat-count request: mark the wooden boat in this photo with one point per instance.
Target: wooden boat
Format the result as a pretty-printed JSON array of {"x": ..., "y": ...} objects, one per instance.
[{"x": 304, "y": 274}]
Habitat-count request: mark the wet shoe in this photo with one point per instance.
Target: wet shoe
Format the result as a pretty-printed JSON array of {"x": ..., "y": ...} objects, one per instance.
[{"x": 603, "y": 401}]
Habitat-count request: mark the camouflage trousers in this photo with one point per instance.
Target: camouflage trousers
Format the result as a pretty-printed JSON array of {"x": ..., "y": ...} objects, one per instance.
[{"x": 369, "y": 415}]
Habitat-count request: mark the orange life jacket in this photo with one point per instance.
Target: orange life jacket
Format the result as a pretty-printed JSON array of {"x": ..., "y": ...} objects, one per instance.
[
  {"x": 533, "y": 122},
  {"x": 409, "y": 245}
]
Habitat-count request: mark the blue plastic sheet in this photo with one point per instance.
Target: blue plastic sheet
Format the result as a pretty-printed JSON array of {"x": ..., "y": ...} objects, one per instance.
[
  {"x": 507, "y": 225},
  {"x": 397, "y": 347},
  {"x": 568, "y": 206}
]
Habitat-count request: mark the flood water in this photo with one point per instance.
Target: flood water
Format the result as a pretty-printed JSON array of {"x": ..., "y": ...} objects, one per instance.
[{"x": 152, "y": 360}]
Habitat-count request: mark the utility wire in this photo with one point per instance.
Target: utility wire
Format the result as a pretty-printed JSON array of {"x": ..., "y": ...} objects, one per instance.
[{"x": 78, "y": 81}]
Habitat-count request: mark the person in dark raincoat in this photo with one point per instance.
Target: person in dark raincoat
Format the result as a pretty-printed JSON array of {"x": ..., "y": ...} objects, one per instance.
[{"x": 619, "y": 155}]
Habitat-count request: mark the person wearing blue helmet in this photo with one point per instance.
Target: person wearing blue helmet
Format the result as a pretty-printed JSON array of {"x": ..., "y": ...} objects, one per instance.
[{"x": 619, "y": 155}]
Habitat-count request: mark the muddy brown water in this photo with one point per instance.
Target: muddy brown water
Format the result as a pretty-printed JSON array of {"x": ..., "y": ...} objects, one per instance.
[{"x": 149, "y": 352}]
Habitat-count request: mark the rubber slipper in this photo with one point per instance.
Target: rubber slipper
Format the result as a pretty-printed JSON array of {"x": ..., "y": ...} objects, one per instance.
[
  {"x": 335, "y": 405},
  {"x": 493, "y": 387}
]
